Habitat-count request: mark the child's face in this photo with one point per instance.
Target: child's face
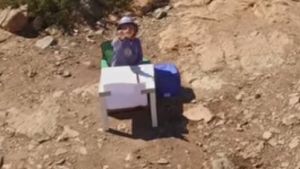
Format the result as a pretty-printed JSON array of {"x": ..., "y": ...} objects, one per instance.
[{"x": 128, "y": 30}]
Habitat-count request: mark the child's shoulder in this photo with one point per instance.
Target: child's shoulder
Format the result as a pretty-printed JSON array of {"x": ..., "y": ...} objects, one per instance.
[{"x": 137, "y": 40}]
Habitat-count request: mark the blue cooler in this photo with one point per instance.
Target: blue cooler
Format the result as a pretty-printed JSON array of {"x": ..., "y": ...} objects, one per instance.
[{"x": 167, "y": 80}]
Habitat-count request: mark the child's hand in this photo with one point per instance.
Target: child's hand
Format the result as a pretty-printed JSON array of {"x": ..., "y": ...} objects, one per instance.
[{"x": 120, "y": 34}]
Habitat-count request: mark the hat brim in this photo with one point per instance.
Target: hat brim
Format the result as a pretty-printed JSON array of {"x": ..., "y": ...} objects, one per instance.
[{"x": 130, "y": 23}]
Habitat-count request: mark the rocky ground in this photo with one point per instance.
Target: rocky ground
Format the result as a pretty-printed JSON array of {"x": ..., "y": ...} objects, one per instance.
[{"x": 240, "y": 109}]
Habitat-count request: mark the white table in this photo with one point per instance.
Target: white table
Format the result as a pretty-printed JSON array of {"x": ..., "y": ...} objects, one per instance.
[{"x": 135, "y": 75}]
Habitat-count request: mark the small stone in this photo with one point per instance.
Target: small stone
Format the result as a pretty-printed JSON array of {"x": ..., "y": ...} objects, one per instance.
[
  {"x": 82, "y": 150},
  {"x": 46, "y": 157},
  {"x": 67, "y": 133},
  {"x": 162, "y": 161},
  {"x": 58, "y": 94},
  {"x": 239, "y": 97},
  {"x": 60, "y": 162},
  {"x": 160, "y": 13},
  {"x": 60, "y": 151},
  {"x": 167, "y": 8},
  {"x": 56, "y": 52},
  {"x": 88, "y": 64},
  {"x": 122, "y": 127},
  {"x": 294, "y": 143},
  {"x": 31, "y": 74},
  {"x": 66, "y": 74},
  {"x": 254, "y": 33},
  {"x": 199, "y": 113},
  {"x": 113, "y": 18},
  {"x": 129, "y": 157},
  {"x": 294, "y": 99},
  {"x": 105, "y": 167},
  {"x": 267, "y": 135},
  {"x": 73, "y": 44},
  {"x": 194, "y": 101},
  {"x": 273, "y": 142},
  {"x": 285, "y": 164},
  {"x": 45, "y": 42},
  {"x": 99, "y": 32}
]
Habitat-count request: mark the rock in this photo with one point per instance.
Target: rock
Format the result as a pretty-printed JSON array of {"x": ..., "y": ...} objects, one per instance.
[
  {"x": 285, "y": 164},
  {"x": 113, "y": 18},
  {"x": 294, "y": 143},
  {"x": 45, "y": 42},
  {"x": 267, "y": 135},
  {"x": 88, "y": 64},
  {"x": 14, "y": 20},
  {"x": 58, "y": 94},
  {"x": 294, "y": 99},
  {"x": 222, "y": 163},
  {"x": 122, "y": 127},
  {"x": 128, "y": 157},
  {"x": 253, "y": 150},
  {"x": 66, "y": 74},
  {"x": 82, "y": 150},
  {"x": 74, "y": 44},
  {"x": 60, "y": 151},
  {"x": 105, "y": 167},
  {"x": 99, "y": 32},
  {"x": 291, "y": 120},
  {"x": 31, "y": 73},
  {"x": 67, "y": 134},
  {"x": 199, "y": 113},
  {"x": 162, "y": 161},
  {"x": 194, "y": 101},
  {"x": 239, "y": 96},
  {"x": 160, "y": 13},
  {"x": 273, "y": 142},
  {"x": 60, "y": 161}
]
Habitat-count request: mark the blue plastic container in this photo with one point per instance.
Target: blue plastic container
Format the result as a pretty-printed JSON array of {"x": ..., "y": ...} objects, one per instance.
[{"x": 167, "y": 80}]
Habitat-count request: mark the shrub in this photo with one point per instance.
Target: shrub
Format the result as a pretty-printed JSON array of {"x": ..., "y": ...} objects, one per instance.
[{"x": 63, "y": 12}]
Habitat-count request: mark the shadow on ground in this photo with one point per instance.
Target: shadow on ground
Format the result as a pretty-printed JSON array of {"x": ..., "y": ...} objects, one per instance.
[{"x": 171, "y": 121}]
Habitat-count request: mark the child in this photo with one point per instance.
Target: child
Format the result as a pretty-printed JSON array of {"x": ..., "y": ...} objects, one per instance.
[{"x": 127, "y": 49}]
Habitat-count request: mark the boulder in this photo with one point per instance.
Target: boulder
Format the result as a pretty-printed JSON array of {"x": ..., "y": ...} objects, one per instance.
[{"x": 14, "y": 20}]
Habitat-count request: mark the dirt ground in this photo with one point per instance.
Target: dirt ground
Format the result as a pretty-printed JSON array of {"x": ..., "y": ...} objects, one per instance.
[{"x": 238, "y": 58}]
